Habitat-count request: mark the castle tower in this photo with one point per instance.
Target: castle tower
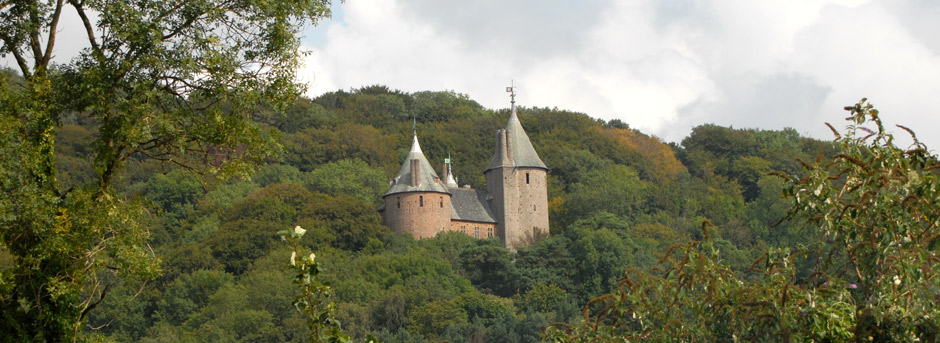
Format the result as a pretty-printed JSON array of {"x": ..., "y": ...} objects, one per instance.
[
  {"x": 417, "y": 201},
  {"x": 517, "y": 184}
]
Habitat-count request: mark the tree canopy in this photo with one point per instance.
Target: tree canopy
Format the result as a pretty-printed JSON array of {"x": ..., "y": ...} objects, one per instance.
[
  {"x": 174, "y": 81},
  {"x": 866, "y": 275},
  {"x": 120, "y": 223}
]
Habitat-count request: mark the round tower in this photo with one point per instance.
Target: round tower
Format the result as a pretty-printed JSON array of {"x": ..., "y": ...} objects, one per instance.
[{"x": 417, "y": 201}]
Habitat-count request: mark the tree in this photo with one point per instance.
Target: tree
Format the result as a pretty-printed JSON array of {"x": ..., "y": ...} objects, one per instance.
[
  {"x": 352, "y": 177},
  {"x": 873, "y": 210},
  {"x": 175, "y": 81}
]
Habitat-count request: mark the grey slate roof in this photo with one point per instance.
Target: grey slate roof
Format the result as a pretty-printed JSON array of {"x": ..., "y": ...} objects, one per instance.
[
  {"x": 426, "y": 174},
  {"x": 522, "y": 152},
  {"x": 470, "y": 205}
]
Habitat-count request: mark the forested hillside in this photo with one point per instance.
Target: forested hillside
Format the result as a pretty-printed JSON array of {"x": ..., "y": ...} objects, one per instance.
[{"x": 618, "y": 200}]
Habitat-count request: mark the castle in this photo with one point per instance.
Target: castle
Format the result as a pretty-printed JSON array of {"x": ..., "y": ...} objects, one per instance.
[{"x": 514, "y": 206}]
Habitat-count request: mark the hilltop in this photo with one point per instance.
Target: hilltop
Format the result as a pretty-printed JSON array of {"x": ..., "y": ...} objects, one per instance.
[{"x": 618, "y": 199}]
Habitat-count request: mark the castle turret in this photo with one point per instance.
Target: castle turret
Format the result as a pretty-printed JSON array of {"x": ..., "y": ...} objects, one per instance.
[
  {"x": 449, "y": 180},
  {"x": 517, "y": 184},
  {"x": 417, "y": 201}
]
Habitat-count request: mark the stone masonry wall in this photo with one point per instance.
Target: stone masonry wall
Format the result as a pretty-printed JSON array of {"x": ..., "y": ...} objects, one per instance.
[
  {"x": 422, "y": 215},
  {"x": 519, "y": 202},
  {"x": 474, "y": 229},
  {"x": 530, "y": 209}
]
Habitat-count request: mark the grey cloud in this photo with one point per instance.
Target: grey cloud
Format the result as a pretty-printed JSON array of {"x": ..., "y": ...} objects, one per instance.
[
  {"x": 527, "y": 28},
  {"x": 920, "y": 17},
  {"x": 767, "y": 102},
  {"x": 690, "y": 14},
  {"x": 668, "y": 65}
]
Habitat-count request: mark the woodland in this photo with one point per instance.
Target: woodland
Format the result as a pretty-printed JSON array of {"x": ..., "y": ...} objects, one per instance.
[
  {"x": 170, "y": 184},
  {"x": 619, "y": 200}
]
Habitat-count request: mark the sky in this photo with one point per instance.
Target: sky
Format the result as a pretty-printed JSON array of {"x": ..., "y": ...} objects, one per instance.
[{"x": 661, "y": 66}]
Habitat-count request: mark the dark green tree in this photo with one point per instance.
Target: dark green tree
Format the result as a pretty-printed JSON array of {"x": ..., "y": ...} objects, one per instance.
[
  {"x": 175, "y": 81},
  {"x": 873, "y": 211}
]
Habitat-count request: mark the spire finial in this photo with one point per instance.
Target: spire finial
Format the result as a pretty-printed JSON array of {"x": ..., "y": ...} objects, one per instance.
[
  {"x": 414, "y": 125},
  {"x": 512, "y": 92},
  {"x": 512, "y": 97}
]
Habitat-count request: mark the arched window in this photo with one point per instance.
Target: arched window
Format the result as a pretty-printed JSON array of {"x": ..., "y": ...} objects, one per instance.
[{"x": 421, "y": 200}]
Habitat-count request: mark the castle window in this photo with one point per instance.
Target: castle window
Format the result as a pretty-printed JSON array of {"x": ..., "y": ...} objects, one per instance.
[
  {"x": 442, "y": 202},
  {"x": 476, "y": 232},
  {"x": 489, "y": 233},
  {"x": 421, "y": 200},
  {"x": 527, "y": 178},
  {"x": 463, "y": 228},
  {"x": 399, "y": 201}
]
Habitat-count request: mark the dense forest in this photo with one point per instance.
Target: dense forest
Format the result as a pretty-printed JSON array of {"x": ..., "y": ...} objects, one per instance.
[
  {"x": 619, "y": 199},
  {"x": 167, "y": 183}
]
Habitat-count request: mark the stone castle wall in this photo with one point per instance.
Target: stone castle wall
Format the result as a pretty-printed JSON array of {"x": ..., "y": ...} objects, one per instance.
[
  {"x": 497, "y": 199},
  {"x": 530, "y": 187},
  {"x": 474, "y": 229},
  {"x": 423, "y": 215},
  {"x": 520, "y": 202}
]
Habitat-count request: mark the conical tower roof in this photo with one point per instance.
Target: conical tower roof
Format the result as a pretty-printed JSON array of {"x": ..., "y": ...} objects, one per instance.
[
  {"x": 426, "y": 179},
  {"x": 521, "y": 154}
]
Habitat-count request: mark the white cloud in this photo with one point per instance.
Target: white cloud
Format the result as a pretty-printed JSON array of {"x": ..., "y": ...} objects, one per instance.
[{"x": 661, "y": 66}]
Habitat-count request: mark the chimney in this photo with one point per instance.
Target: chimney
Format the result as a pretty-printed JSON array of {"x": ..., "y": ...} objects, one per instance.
[
  {"x": 444, "y": 171},
  {"x": 415, "y": 172},
  {"x": 501, "y": 148},
  {"x": 509, "y": 160}
]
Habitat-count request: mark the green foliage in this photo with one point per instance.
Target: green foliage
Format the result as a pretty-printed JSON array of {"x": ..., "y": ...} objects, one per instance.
[
  {"x": 344, "y": 222},
  {"x": 276, "y": 173},
  {"x": 221, "y": 199},
  {"x": 488, "y": 265},
  {"x": 348, "y": 177},
  {"x": 542, "y": 298},
  {"x": 876, "y": 205},
  {"x": 624, "y": 194},
  {"x": 176, "y": 82},
  {"x": 619, "y": 200},
  {"x": 313, "y": 298},
  {"x": 873, "y": 209},
  {"x": 188, "y": 293},
  {"x": 435, "y": 106}
]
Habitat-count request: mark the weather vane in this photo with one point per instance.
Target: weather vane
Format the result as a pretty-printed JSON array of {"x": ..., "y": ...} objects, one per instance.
[{"x": 512, "y": 91}]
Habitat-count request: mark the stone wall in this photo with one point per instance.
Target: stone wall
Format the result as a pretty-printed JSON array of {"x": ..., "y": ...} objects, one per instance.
[
  {"x": 474, "y": 229},
  {"x": 422, "y": 215},
  {"x": 530, "y": 209},
  {"x": 519, "y": 202}
]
